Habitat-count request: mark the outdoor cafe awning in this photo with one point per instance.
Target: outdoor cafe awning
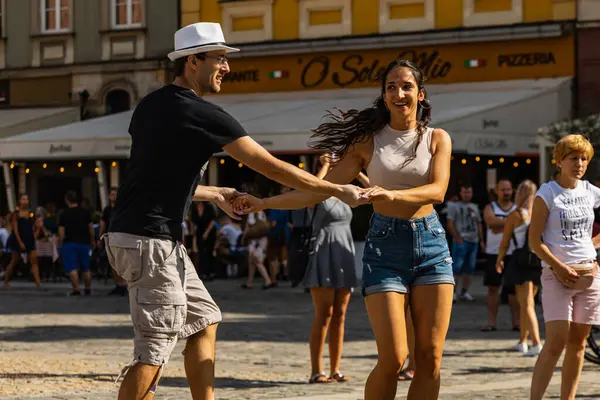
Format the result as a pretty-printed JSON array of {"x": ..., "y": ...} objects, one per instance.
[{"x": 499, "y": 118}]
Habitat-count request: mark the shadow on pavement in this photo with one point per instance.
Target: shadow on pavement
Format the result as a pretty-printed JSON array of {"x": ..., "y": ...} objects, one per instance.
[
  {"x": 50, "y": 333},
  {"x": 95, "y": 377},
  {"x": 482, "y": 369}
]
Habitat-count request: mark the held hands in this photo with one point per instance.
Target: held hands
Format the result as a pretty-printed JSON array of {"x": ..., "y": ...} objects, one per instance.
[
  {"x": 247, "y": 204},
  {"x": 225, "y": 199},
  {"x": 499, "y": 266}
]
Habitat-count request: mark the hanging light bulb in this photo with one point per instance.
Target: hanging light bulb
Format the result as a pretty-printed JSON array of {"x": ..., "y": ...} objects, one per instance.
[
  {"x": 501, "y": 159},
  {"x": 79, "y": 165},
  {"x": 222, "y": 161},
  {"x": 62, "y": 169},
  {"x": 114, "y": 163},
  {"x": 96, "y": 170},
  {"x": 490, "y": 162},
  {"x": 528, "y": 161},
  {"x": 463, "y": 161},
  {"x": 477, "y": 158},
  {"x": 515, "y": 164},
  {"x": 44, "y": 165},
  {"x": 240, "y": 165},
  {"x": 301, "y": 165},
  {"x": 12, "y": 165},
  {"x": 27, "y": 170}
]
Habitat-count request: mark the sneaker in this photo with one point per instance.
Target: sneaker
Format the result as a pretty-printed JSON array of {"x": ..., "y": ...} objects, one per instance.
[
  {"x": 534, "y": 351},
  {"x": 74, "y": 293},
  {"x": 522, "y": 347},
  {"x": 466, "y": 296},
  {"x": 88, "y": 292}
]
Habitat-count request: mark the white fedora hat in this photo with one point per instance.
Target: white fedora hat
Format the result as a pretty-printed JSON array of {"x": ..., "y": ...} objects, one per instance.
[{"x": 200, "y": 37}]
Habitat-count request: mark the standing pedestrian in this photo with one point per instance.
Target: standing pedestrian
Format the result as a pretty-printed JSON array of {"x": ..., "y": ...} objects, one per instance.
[
  {"x": 561, "y": 235},
  {"x": 120, "y": 288},
  {"x": 21, "y": 240},
  {"x": 76, "y": 238},
  {"x": 464, "y": 224},
  {"x": 495, "y": 215}
]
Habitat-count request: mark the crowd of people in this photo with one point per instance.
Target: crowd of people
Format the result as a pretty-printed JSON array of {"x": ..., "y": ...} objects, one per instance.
[{"x": 414, "y": 267}]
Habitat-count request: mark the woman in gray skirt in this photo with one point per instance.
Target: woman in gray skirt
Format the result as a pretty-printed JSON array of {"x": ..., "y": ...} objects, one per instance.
[{"x": 330, "y": 276}]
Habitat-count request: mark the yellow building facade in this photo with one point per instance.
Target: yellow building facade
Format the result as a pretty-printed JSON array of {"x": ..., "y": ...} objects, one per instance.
[
  {"x": 329, "y": 44},
  {"x": 262, "y": 20}
]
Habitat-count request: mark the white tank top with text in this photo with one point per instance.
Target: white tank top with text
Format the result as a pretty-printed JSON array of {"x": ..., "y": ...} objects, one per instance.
[{"x": 493, "y": 240}]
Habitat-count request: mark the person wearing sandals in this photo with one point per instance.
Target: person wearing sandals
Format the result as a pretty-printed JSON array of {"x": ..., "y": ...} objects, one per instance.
[
  {"x": 406, "y": 262},
  {"x": 330, "y": 276},
  {"x": 560, "y": 234},
  {"x": 526, "y": 278}
]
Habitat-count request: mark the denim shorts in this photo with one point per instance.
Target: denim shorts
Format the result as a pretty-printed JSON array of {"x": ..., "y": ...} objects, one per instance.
[
  {"x": 402, "y": 253},
  {"x": 465, "y": 257}
]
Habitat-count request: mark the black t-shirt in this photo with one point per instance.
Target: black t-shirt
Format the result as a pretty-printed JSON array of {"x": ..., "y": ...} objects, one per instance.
[
  {"x": 173, "y": 134},
  {"x": 76, "y": 222}
]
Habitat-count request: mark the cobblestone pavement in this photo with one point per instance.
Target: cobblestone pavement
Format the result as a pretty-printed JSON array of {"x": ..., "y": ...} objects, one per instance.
[{"x": 56, "y": 347}]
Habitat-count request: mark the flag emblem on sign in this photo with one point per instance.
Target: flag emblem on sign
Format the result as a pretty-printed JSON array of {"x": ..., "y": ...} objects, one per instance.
[
  {"x": 475, "y": 63},
  {"x": 279, "y": 74}
]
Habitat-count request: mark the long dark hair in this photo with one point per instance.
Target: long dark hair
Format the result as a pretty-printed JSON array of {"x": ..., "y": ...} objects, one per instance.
[{"x": 344, "y": 130}]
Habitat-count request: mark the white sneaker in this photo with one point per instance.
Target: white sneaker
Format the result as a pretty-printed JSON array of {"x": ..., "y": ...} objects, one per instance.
[
  {"x": 522, "y": 347},
  {"x": 534, "y": 350},
  {"x": 466, "y": 296}
]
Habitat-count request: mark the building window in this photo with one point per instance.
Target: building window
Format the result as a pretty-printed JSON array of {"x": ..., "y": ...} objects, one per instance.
[
  {"x": 406, "y": 15},
  {"x": 492, "y": 12},
  {"x": 126, "y": 13},
  {"x": 250, "y": 21},
  {"x": 55, "y": 15},
  {"x": 320, "y": 18}
]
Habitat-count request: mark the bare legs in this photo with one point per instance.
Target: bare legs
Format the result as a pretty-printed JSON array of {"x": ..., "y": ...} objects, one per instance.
[
  {"x": 560, "y": 335},
  {"x": 493, "y": 303},
  {"x": 14, "y": 261},
  {"x": 255, "y": 263},
  {"x": 330, "y": 307},
  {"x": 431, "y": 306},
  {"x": 199, "y": 368},
  {"x": 529, "y": 324},
  {"x": 387, "y": 315}
]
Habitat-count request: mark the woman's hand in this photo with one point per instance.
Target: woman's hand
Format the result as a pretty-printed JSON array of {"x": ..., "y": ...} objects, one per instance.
[
  {"x": 247, "y": 204},
  {"x": 499, "y": 266},
  {"x": 377, "y": 194},
  {"x": 566, "y": 275}
]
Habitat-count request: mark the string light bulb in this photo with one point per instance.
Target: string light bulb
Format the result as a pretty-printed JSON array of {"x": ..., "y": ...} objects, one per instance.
[
  {"x": 96, "y": 170},
  {"x": 501, "y": 159},
  {"x": 477, "y": 158},
  {"x": 222, "y": 161},
  {"x": 528, "y": 161},
  {"x": 12, "y": 165},
  {"x": 44, "y": 165},
  {"x": 62, "y": 169},
  {"x": 515, "y": 164},
  {"x": 240, "y": 165},
  {"x": 553, "y": 161},
  {"x": 490, "y": 162},
  {"x": 463, "y": 161},
  {"x": 27, "y": 170},
  {"x": 79, "y": 165},
  {"x": 114, "y": 163},
  {"x": 301, "y": 165}
]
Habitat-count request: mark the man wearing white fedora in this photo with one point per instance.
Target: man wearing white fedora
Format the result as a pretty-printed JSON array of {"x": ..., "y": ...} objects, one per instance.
[{"x": 174, "y": 132}]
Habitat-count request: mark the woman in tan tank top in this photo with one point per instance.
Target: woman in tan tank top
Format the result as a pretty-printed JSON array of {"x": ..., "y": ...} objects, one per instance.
[{"x": 406, "y": 249}]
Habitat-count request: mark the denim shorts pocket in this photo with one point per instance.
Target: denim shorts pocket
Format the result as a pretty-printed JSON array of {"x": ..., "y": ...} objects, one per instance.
[
  {"x": 160, "y": 310},
  {"x": 124, "y": 254},
  {"x": 379, "y": 231},
  {"x": 437, "y": 229}
]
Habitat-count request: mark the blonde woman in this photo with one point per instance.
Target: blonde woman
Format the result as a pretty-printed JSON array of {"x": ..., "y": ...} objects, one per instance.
[
  {"x": 561, "y": 235},
  {"x": 526, "y": 278}
]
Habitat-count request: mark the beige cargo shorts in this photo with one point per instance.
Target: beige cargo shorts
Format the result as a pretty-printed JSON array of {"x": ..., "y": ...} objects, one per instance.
[{"x": 167, "y": 299}]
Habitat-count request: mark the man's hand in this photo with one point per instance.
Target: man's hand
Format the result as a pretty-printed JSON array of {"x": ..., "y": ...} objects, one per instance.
[
  {"x": 459, "y": 240},
  {"x": 353, "y": 195},
  {"x": 224, "y": 200},
  {"x": 247, "y": 204}
]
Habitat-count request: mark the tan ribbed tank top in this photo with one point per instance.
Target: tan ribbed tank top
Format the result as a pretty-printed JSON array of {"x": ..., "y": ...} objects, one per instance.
[{"x": 390, "y": 150}]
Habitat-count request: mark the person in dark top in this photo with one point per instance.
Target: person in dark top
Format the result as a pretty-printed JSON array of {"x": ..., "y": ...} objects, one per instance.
[
  {"x": 120, "y": 288},
  {"x": 205, "y": 219},
  {"x": 21, "y": 240},
  {"x": 76, "y": 239},
  {"x": 174, "y": 131}
]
